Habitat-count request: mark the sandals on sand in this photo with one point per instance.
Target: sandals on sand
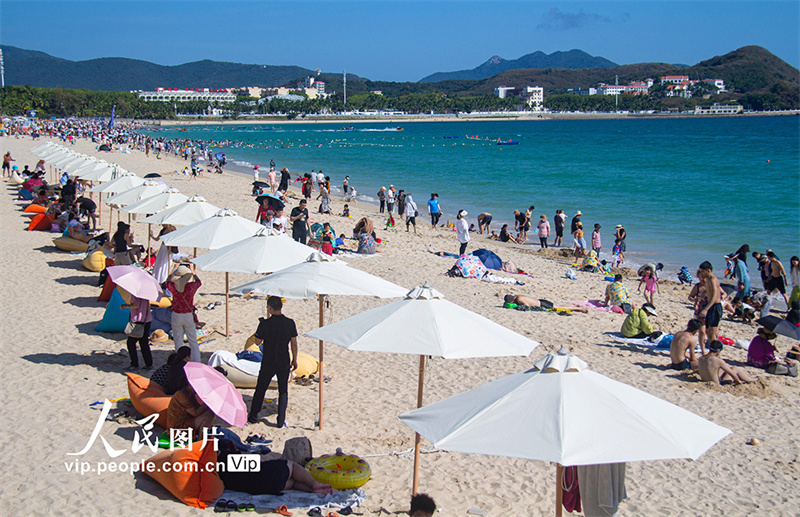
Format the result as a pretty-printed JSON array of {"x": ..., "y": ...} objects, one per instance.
[{"x": 283, "y": 510}]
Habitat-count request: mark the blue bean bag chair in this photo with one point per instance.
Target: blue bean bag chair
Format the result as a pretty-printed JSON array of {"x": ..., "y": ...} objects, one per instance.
[
  {"x": 114, "y": 319},
  {"x": 489, "y": 258}
]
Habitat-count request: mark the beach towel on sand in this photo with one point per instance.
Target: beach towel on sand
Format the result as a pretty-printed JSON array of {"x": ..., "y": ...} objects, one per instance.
[{"x": 301, "y": 500}]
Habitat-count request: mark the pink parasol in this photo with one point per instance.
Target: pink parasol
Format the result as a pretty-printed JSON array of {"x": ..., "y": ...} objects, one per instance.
[
  {"x": 217, "y": 392},
  {"x": 138, "y": 282}
]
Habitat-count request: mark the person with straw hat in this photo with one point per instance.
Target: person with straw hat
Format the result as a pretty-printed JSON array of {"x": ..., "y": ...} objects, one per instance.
[{"x": 183, "y": 283}]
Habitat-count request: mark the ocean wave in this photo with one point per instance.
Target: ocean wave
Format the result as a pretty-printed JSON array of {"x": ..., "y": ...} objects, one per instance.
[{"x": 243, "y": 163}]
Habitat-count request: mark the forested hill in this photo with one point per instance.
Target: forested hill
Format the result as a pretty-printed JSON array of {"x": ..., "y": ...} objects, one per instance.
[
  {"x": 123, "y": 74},
  {"x": 572, "y": 59}
]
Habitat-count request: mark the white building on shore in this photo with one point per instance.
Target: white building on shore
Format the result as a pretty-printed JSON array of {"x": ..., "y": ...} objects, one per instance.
[
  {"x": 504, "y": 91},
  {"x": 187, "y": 94},
  {"x": 718, "y": 109},
  {"x": 533, "y": 96}
]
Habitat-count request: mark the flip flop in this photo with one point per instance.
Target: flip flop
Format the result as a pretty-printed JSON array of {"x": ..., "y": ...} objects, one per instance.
[
  {"x": 241, "y": 508},
  {"x": 283, "y": 510},
  {"x": 315, "y": 512},
  {"x": 231, "y": 506},
  {"x": 250, "y": 507},
  {"x": 221, "y": 506}
]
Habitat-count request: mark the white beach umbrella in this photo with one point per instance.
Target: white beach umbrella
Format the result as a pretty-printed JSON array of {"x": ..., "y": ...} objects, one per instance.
[
  {"x": 54, "y": 152},
  {"x": 220, "y": 230},
  {"x": 150, "y": 205},
  {"x": 121, "y": 183},
  {"x": 100, "y": 171},
  {"x": 425, "y": 324},
  {"x": 561, "y": 411},
  {"x": 194, "y": 210},
  {"x": 72, "y": 167},
  {"x": 223, "y": 228},
  {"x": 321, "y": 275},
  {"x": 66, "y": 159},
  {"x": 136, "y": 194},
  {"x": 42, "y": 147},
  {"x": 265, "y": 252}
]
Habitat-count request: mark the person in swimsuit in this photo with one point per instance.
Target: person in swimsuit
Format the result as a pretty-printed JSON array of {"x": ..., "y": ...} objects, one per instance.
[
  {"x": 484, "y": 220},
  {"x": 712, "y": 313},
  {"x": 528, "y": 301},
  {"x": 776, "y": 279},
  {"x": 712, "y": 368},
  {"x": 683, "y": 343}
]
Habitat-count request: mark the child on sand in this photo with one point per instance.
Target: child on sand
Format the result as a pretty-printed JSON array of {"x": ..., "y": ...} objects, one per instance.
[
  {"x": 422, "y": 505},
  {"x": 712, "y": 368},
  {"x": 617, "y": 255},
  {"x": 650, "y": 281}
]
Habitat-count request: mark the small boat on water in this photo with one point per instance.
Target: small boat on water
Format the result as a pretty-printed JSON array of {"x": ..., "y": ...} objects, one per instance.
[
  {"x": 507, "y": 142},
  {"x": 451, "y": 137}
]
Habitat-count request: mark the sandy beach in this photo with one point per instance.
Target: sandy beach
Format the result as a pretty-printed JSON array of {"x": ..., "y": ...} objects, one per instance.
[{"x": 54, "y": 365}]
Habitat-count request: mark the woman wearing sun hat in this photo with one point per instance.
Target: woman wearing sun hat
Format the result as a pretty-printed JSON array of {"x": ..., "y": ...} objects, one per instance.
[
  {"x": 462, "y": 229},
  {"x": 183, "y": 284}
]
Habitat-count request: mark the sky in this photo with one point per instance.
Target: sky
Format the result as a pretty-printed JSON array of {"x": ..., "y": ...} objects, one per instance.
[{"x": 397, "y": 40}]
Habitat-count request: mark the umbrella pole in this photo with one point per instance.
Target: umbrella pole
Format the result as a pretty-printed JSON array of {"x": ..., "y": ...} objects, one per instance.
[
  {"x": 321, "y": 377},
  {"x": 417, "y": 437},
  {"x": 148, "y": 242},
  {"x": 559, "y": 490},
  {"x": 100, "y": 214},
  {"x": 227, "y": 306}
]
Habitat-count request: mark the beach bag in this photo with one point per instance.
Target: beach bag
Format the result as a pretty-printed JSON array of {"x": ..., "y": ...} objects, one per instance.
[
  {"x": 546, "y": 304},
  {"x": 366, "y": 244},
  {"x": 298, "y": 450},
  {"x": 782, "y": 369},
  {"x": 135, "y": 330}
]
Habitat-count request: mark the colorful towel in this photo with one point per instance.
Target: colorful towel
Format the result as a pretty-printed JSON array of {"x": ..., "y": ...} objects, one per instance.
[
  {"x": 301, "y": 500},
  {"x": 596, "y": 305}
]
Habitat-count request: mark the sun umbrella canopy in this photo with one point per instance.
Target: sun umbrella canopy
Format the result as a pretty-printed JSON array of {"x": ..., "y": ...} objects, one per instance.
[
  {"x": 321, "y": 274},
  {"x": 41, "y": 148},
  {"x": 123, "y": 182},
  {"x": 220, "y": 230},
  {"x": 54, "y": 152},
  {"x": 780, "y": 326},
  {"x": 167, "y": 199},
  {"x": 560, "y": 411},
  {"x": 136, "y": 194},
  {"x": 63, "y": 161},
  {"x": 424, "y": 323},
  {"x": 271, "y": 200},
  {"x": 72, "y": 167},
  {"x": 217, "y": 392},
  {"x": 100, "y": 171},
  {"x": 265, "y": 252},
  {"x": 139, "y": 283},
  {"x": 194, "y": 210}
]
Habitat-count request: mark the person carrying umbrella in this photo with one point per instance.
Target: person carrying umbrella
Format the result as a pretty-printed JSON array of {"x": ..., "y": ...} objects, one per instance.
[
  {"x": 274, "y": 335},
  {"x": 139, "y": 323},
  {"x": 183, "y": 283}
]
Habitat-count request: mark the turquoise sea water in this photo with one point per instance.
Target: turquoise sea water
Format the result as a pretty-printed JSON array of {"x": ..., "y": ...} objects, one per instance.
[{"x": 686, "y": 190}]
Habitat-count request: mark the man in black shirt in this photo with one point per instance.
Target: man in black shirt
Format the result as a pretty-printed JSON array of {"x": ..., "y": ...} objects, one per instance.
[
  {"x": 274, "y": 334},
  {"x": 87, "y": 207},
  {"x": 299, "y": 218}
]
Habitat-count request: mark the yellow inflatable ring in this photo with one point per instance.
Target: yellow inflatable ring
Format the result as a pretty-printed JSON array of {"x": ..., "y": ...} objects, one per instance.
[{"x": 341, "y": 471}]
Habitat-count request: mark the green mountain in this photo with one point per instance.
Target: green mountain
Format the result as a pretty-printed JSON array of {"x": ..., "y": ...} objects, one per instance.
[
  {"x": 122, "y": 74},
  {"x": 573, "y": 59}
]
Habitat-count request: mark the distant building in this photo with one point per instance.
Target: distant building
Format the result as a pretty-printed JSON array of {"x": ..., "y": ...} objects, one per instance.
[
  {"x": 504, "y": 91},
  {"x": 682, "y": 89},
  {"x": 718, "y": 109},
  {"x": 673, "y": 79},
  {"x": 533, "y": 96},
  {"x": 187, "y": 94},
  {"x": 719, "y": 83}
]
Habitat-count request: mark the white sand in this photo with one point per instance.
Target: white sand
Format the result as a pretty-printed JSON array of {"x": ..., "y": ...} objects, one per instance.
[{"x": 54, "y": 365}]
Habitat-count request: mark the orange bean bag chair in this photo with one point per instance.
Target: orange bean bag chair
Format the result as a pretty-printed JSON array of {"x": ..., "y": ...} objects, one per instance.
[
  {"x": 41, "y": 222},
  {"x": 33, "y": 208},
  {"x": 148, "y": 397},
  {"x": 192, "y": 483}
]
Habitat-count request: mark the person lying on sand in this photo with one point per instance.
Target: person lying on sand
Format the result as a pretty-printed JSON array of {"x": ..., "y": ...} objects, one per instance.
[
  {"x": 527, "y": 301},
  {"x": 712, "y": 368},
  {"x": 422, "y": 505},
  {"x": 273, "y": 477},
  {"x": 682, "y": 343}
]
